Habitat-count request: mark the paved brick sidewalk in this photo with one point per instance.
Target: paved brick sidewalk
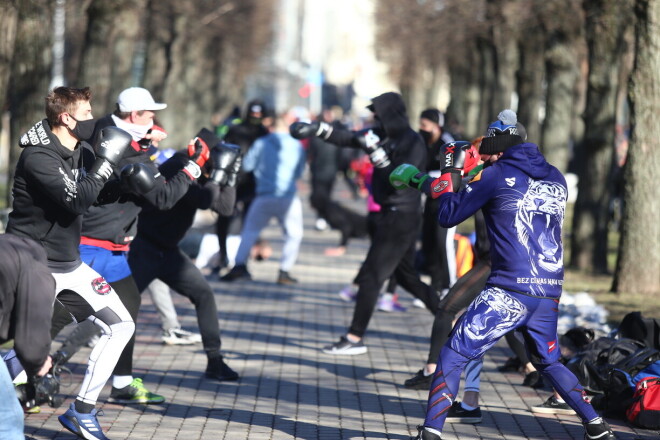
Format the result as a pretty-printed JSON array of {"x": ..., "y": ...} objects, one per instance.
[{"x": 288, "y": 389}]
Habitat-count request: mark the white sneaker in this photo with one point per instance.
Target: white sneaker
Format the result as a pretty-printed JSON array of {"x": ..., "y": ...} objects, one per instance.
[
  {"x": 178, "y": 336},
  {"x": 321, "y": 224},
  {"x": 418, "y": 303}
]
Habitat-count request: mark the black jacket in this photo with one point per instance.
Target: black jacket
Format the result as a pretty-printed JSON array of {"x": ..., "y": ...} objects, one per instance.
[
  {"x": 27, "y": 292},
  {"x": 51, "y": 192},
  {"x": 403, "y": 145},
  {"x": 433, "y": 152},
  {"x": 116, "y": 222},
  {"x": 165, "y": 229}
]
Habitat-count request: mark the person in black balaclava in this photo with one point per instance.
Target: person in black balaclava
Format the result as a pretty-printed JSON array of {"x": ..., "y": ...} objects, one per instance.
[
  {"x": 243, "y": 134},
  {"x": 393, "y": 246}
]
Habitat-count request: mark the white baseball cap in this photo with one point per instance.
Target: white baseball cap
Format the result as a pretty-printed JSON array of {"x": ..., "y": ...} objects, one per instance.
[{"x": 137, "y": 99}]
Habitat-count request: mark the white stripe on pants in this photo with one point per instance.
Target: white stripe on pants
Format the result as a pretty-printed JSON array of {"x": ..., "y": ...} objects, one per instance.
[
  {"x": 94, "y": 290},
  {"x": 288, "y": 211}
]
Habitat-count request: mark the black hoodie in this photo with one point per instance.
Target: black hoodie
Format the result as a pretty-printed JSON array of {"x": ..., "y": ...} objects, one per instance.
[
  {"x": 403, "y": 145},
  {"x": 114, "y": 225},
  {"x": 51, "y": 192}
]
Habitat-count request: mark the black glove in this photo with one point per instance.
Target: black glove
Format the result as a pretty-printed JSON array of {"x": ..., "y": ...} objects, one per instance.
[
  {"x": 223, "y": 157},
  {"x": 235, "y": 168},
  {"x": 109, "y": 148},
  {"x": 304, "y": 130},
  {"x": 137, "y": 178},
  {"x": 370, "y": 140}
]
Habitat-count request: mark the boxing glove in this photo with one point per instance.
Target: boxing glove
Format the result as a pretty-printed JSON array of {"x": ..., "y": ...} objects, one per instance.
[
  {"x": 304, "y": 130},
  {"x": 408, "y": 175},
  {"x": 233, "y": 175},
  {"x": 198, "y": 151},
  {"x": 137, "y": 178},
  {"x": 458, "y": 158},
  {"x": 223, "y": 157},
  {"x": 109, "y": 148},
  {"x": 369, "y": 140}
]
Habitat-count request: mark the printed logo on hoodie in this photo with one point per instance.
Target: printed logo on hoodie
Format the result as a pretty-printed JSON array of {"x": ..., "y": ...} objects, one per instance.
[{"x": 35, "y": 136}]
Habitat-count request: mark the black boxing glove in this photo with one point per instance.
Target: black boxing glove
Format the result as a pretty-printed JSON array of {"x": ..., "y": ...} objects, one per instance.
[
  {"x": 369, "y": 140},
  {"x": 223, "y": 157},
  {"x": 109, "y": 148},
  {"x": 137, "y": 178},
  {"x": 304, "y": 130},
  {"x": 233, "y": 175}
]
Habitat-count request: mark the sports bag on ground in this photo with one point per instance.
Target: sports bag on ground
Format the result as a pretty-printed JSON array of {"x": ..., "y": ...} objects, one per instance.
[{"x": 645, "y": 409}]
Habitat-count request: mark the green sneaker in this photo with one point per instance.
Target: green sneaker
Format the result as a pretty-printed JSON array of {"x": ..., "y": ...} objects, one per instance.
[{"x": 134, "y": 393}]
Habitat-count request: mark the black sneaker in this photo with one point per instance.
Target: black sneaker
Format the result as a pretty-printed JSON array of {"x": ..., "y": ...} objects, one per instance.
[
  {"x": 217, "y": 369},
  {"x": 423, "y": 434},
  {"x": 552, "y": 406},
  {"x": 345, "y": 347},
  {"x": 238, "y": 272},
  {"x": 511, "y": 364},
  {"x": 419, "y": 381},
  {"x": 458, "y": 414},
  {"x": 533, "y": 380},
  {"x": 285, "y": 279},
  {"x": 600, "y": 431}
]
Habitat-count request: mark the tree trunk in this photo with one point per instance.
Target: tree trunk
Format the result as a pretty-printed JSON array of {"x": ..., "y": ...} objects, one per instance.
[
  {"x": 489, "y": 107},
  {"x": 30, "y": 74},
  {"x": 109, "y": 50},
  {"x": 561, "y": 74},
  {"x": 505, "y": 50},
  {"x": 530, "y": 84},
  {"x": 8, "y": 23},
  {"x": 638, "y": 264},
  {"x": 180, "y": 70},
  {"x": 607, "y": 21},
  {"x": 463, "y": 108}
]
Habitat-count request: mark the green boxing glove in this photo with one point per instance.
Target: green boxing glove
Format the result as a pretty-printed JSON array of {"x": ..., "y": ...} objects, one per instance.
[{"x": 407, "y": 175}]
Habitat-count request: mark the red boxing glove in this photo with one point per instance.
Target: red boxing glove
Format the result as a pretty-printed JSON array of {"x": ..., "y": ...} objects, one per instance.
[
  {"x": 449, "y": 181},
  {"x": 198, "y": 151}
]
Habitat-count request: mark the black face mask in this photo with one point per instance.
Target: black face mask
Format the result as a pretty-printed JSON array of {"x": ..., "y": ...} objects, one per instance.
[
  {"x": 426, "y": 135},
  {"x": 83, "y": 130}
]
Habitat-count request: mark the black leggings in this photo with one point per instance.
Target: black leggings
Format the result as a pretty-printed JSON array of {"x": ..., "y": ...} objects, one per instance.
[
  {"x": 437, "y": 254},
  {"x": 392, "y": 251},
  {"x": 513, "y": 339},
  {"x": 459, "y": 297},
  {"x": 175, "y": 269}
]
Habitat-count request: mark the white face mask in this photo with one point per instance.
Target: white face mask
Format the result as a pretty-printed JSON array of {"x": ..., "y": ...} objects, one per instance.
[{"x": 138, "y": 132}]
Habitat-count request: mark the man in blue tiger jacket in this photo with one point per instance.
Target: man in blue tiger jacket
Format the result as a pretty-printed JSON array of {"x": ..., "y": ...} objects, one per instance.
[{"x": 523, "y": 199}]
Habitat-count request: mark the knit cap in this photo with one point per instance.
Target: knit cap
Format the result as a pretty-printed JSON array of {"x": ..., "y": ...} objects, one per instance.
[{"x": 502, "y": 134}]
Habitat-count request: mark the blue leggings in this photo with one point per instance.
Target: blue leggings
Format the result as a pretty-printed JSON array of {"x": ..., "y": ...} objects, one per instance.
[{"x": 490, "y": 316}]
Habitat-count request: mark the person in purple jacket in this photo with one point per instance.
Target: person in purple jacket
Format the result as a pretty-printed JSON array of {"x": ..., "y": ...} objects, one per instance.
[{"x": 523, "y": 199}]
